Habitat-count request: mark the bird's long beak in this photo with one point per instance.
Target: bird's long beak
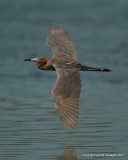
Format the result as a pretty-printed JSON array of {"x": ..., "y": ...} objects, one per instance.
[
  {"x": 32, "y": 59},
  {"x": 27, "y": 59}
]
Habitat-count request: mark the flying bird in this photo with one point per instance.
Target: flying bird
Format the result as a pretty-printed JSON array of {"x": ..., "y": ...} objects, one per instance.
[{"x": 66, "y": 91}]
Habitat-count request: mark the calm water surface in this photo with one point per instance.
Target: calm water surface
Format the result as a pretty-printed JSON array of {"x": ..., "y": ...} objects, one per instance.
[{"x": 29, "y": 125}]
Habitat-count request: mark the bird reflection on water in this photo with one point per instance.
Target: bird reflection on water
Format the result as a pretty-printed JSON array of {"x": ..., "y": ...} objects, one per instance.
[
  {"x": 66, "y": 91},
  {"x": 69, "y": 154}
]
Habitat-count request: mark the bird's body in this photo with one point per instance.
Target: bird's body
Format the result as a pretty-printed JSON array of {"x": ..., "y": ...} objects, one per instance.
[{"x": 66, "y": 91}]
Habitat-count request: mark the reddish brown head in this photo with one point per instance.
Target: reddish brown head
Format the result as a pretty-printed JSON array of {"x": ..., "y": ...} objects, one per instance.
[{"x": 41, "y": 62}]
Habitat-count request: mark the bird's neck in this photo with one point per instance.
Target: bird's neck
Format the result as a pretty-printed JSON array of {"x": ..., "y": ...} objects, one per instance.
[{"x": 44, "y": 67}]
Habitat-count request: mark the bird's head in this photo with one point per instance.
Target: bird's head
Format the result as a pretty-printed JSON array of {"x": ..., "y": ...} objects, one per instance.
[{"x": 40, "y": 61}]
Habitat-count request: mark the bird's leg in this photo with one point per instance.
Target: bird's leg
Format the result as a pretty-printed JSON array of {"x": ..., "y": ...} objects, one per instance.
[
  {"x": 99, "y": 69},
  {"x": 86, "y": 68}
]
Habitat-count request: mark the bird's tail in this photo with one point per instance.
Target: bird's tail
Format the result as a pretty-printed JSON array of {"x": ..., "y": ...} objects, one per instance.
[{"x": 86, "y": 68}]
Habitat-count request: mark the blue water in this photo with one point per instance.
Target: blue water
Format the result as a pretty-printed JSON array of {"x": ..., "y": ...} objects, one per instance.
[{"x": 29, "y": 125}]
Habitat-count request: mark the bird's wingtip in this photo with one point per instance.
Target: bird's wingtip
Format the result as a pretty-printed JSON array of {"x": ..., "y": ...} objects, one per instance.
[{"x": 57, "y": 28}]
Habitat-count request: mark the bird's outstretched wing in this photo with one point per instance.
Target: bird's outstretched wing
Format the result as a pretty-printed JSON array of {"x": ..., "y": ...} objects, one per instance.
[
  {"x": 66, "y": 93},
  {"x": 60, "y": 43}
]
